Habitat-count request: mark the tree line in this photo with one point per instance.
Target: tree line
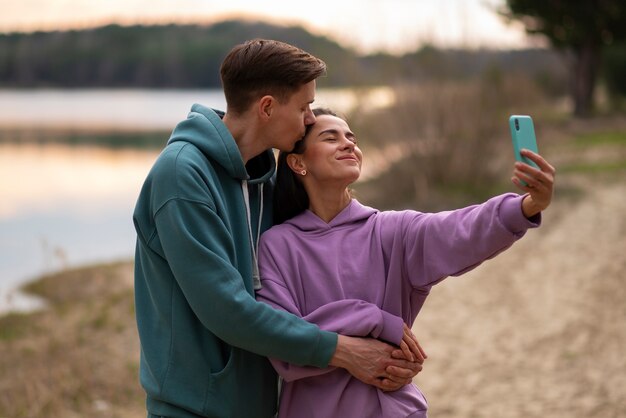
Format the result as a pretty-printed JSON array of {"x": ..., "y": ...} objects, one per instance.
[{"x": 189, "y": 56}]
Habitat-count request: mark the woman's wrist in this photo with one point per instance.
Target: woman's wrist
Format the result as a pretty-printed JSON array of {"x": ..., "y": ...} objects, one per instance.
[{"x": 529, "y": 207}]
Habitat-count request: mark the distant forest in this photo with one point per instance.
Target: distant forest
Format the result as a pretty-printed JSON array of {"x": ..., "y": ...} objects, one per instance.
[{"x": 189, "y": 56}]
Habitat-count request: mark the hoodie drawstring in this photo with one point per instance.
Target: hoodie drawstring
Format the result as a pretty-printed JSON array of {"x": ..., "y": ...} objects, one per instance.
[
  {"x": 254, "y": 243},
  {"x": 256, "y": 276}
]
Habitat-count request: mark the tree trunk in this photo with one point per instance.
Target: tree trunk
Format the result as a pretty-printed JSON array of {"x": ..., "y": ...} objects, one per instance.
[{"x": 586, "y": 66}]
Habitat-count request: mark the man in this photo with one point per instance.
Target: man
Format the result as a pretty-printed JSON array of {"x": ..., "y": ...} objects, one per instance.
[{"x": 204, "y": 338}]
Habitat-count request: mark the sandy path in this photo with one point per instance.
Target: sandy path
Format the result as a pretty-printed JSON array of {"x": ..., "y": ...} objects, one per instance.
[{"x": 539, "y": 331}]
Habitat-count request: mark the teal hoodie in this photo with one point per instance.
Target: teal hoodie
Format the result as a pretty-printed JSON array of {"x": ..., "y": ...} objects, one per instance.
[{"x": 203, "y": 336}]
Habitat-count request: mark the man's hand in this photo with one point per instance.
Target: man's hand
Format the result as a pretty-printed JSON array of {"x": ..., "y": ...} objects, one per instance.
[{"x": 371, "y": 362}]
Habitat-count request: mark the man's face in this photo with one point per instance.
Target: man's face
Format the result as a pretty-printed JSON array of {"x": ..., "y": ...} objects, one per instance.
[{"x": 289, "y": 119}]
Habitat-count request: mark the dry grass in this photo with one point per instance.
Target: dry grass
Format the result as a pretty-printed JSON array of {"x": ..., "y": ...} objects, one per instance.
[
  {"x": 77, "y": 358},
  {"x": 454, "y": 140}
]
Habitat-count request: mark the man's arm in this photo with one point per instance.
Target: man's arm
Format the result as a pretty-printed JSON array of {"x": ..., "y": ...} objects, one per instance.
[
  {"x": 351, "y": 317},
  {"x": 199, "y": 250}
]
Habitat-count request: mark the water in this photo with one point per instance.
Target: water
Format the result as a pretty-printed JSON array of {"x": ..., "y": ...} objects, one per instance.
[
  {"x": 67, "y": 205},
  {"x": 64, "y": 206},
  {"x": 136, "y": 109},
  {"x": 120, "y": 109}
]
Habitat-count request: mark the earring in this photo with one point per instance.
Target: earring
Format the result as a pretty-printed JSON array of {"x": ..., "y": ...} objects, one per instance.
[{"x": 303, "y": 172}]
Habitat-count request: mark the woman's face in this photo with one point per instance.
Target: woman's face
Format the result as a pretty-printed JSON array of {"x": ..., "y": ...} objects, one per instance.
[{"x": 331, "y": 152}]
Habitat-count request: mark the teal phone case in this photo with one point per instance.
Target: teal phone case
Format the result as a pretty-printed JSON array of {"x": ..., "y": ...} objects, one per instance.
[{"x": 523, "y": 136}]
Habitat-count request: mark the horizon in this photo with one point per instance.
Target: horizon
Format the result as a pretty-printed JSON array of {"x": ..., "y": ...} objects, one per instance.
[
  {"x": 400, "y": 25},
  {"x": 252, "y": 19}
]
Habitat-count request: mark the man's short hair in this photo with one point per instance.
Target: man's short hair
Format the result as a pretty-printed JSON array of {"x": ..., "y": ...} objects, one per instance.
[{"x": 260, "y": 67}]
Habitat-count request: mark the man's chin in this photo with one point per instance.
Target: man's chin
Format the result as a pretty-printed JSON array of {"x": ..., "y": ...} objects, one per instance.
[{"x": 293, "y": 146}]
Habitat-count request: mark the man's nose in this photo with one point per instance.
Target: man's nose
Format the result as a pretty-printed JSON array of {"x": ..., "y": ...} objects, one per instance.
[{"x": 309, "y": 118}]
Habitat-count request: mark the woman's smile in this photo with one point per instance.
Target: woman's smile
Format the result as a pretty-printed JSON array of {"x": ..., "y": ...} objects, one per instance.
[{"x": 350, "y": 157}]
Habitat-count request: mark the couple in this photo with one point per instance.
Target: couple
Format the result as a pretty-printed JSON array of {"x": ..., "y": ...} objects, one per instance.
[{"x": 345, "y": 279}]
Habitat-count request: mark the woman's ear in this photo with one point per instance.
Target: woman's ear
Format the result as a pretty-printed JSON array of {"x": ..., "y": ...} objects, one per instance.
[{"x": 294, "y": 161}]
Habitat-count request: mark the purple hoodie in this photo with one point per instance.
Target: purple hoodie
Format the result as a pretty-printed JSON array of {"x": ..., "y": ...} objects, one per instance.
[{"x": 364, "y": 274}]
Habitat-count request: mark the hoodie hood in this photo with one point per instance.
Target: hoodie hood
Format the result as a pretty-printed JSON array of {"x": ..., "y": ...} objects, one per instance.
[
  {"x": 355, "y": 212},
  {"x": 205, "y": 130}
]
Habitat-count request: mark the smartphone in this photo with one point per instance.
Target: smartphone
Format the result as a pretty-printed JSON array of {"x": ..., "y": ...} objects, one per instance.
[{"x": 523, "y": 137}]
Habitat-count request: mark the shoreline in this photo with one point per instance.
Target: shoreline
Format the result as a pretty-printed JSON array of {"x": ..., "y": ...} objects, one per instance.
[
  {"x": 80, "y": 355},
  {"x": 19, "y": 301},
  {"x": 23, "y": 298}
]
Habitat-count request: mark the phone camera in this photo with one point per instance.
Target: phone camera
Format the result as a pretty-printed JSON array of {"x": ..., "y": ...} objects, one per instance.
[{"x": 517, "y": 124}]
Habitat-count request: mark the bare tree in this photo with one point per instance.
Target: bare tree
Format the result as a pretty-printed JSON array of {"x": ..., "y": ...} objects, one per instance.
[{"x": 580, "y": 27}]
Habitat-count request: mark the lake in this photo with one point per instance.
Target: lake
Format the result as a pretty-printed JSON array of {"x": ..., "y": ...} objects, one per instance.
[
  {"x": 67, "y": 203},
  {"x": 136, "y": 108}
]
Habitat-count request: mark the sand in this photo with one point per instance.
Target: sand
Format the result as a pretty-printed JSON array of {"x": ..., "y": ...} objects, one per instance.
[{"x": 539, "y": 331}]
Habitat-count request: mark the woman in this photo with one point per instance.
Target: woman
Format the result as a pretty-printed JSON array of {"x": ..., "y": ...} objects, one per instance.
[{"x": 355, "y": 270}]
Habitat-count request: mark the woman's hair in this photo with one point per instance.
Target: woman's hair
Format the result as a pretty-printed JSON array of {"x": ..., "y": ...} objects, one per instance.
[
  {"x": 290, "y": 197},
  {"x": 259, "y": 67}
]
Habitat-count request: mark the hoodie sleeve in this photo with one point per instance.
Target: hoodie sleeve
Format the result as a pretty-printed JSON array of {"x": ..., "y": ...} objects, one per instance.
[
  {"x": 354, "y": 318},
  {"x": 357, "y": 318},
  {"x": 451, "y": 243},
  {"x": 200, "y": 259},
  {"x": 350, "y": 317}
]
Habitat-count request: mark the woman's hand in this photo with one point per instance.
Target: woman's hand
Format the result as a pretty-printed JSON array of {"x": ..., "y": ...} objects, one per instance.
[
  {"x": 539, "y": 183},
  {"x": 410, "y": 347},
  {"x": 410, "y": 350}
]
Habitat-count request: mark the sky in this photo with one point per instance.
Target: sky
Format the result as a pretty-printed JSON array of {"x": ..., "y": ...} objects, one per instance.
[{"x": 394, "y": 26}]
